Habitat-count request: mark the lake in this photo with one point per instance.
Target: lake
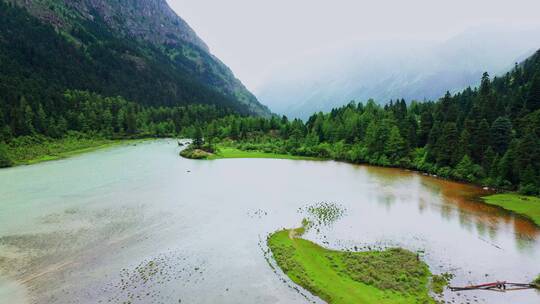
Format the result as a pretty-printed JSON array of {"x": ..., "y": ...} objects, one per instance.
[{"x": 139, "y": 223}]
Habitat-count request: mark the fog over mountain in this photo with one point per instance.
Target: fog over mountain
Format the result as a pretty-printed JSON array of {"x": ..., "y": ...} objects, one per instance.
[{"x": 384, "y": 70}]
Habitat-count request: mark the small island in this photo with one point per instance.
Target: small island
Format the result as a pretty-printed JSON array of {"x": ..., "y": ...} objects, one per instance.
[
  {"x": 201, "y": 149},
  {"x": 390, "y": 276}
]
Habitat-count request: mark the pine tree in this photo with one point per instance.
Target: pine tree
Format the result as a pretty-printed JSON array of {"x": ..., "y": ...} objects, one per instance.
[
  {"x": 426, "y": 123},
  {"x": 485, "y": 85},
  {"x": 107, "y": 125},
  {"x": 23, "y": 118},
  {"x": 533, "y": 99},
  {"x": 447, "y": 144},
  {"x": 480, "y": 141},
  {"x": 395, "y": 147},
  {"x": 198, "y": 138},
  {"x": 464, "y": 147},
  {"x": 464, "y": 169},
  {"x": 528, "y": 183},
  {"x": 487, "y": 160},
  {"x": 131, "y": 121},
  {"x": 527, "y": 153},
  {"x": 501, "y": 133},
  {"x": 41, "y": 119}
]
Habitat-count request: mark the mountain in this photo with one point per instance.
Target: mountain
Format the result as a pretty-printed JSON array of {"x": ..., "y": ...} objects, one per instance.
[
  {"x": 385, "y": 70},
  {"x": 138, "y": 49}
]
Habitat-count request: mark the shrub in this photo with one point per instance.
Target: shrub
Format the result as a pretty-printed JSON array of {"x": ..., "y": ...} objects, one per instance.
[
  {"x": 5, "y": 160},
  {"x": 528, "y": 189},
  {"x": 444, "y": 172}
]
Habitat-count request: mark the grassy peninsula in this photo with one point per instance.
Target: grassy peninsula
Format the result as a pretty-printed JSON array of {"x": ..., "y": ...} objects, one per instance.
[
  {"x": 390, "y": 276},
  {"x": 223, "y": 152},
  {"x": 527, "y": 206}
]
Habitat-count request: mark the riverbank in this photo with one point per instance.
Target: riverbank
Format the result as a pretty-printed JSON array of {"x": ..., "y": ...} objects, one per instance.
[
  {"x": 36, "y": 150},
  {"x": 389, "y": 276},
  {"x": 527, "y": 206}
]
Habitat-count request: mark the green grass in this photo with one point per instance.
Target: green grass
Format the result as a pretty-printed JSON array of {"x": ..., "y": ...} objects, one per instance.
[
  {"x": 229, "y": 152},
  {"x": 537, "y": 280},
  {"x": 390, "y": 276},
  {"x": 31, "y": 151},
  {"x": 527, "y": 206}
]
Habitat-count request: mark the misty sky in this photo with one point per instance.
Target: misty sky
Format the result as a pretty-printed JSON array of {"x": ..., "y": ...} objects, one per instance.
[{"x": 252, "y": 36}]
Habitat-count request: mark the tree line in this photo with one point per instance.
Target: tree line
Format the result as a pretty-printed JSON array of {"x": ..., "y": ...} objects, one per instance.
[
  {"x": 487, "y": 135},
  {"x": 110, "y": 117},
  {"x": 93, "y": 116}
]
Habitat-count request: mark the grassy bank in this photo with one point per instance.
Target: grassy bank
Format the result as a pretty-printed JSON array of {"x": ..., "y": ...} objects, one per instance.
[
  {"x": 229, "y": 152},
  {"x": 390, "y": 276},
  {"x": 223, "y": 152},
  {"x": 35, "y": 150},
  {"x": 527, "y": 206}
]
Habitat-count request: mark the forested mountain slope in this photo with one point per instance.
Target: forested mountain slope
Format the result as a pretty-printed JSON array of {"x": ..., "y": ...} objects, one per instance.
[{"x": 139, "y": 50}]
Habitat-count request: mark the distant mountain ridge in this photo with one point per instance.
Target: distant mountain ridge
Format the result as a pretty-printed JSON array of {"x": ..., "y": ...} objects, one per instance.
[
  {"x": 385, "y": 70},
  {"x": 145, "y": 45}
]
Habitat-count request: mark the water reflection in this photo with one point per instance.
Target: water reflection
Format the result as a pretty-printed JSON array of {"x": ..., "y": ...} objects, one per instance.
[{"x": 452, "y": 200}]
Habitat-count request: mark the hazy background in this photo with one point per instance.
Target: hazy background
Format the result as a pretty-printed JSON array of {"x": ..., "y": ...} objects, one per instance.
[{"x": 283, "y": 49}]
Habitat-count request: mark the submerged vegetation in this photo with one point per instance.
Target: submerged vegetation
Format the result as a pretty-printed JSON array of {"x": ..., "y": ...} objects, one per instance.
[
  {"x": 324, "y": 213},
  {"x": 440, "y": 281},
  {"x": 527, "y": 206},
  {"x": 389, "y": 276}
]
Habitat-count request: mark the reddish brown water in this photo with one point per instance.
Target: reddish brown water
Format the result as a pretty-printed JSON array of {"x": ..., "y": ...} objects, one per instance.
[{"x": 141, "y": 224}]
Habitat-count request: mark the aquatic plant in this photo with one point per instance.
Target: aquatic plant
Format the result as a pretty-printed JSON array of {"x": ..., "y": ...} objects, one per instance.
[
  {"x": 439, "y": 282},
  {"x": 324, "y": 213}
]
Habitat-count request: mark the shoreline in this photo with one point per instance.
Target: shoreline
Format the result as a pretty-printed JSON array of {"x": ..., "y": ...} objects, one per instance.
[
  {"x": 527, "y": 207},
  {"x": 74, "y": 148}
]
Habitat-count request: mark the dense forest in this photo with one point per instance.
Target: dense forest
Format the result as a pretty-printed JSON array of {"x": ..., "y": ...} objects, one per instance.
[
  {"x": 90, "y": 115},
  {"x": 487, "y": 135}
]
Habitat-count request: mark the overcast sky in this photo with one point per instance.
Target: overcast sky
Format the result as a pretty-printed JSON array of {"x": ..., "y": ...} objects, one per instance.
[{"x": 252, "y": 36}]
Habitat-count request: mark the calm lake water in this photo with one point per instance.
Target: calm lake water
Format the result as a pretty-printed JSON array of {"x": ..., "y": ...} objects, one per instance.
[{"x": 140, "y": 223}]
